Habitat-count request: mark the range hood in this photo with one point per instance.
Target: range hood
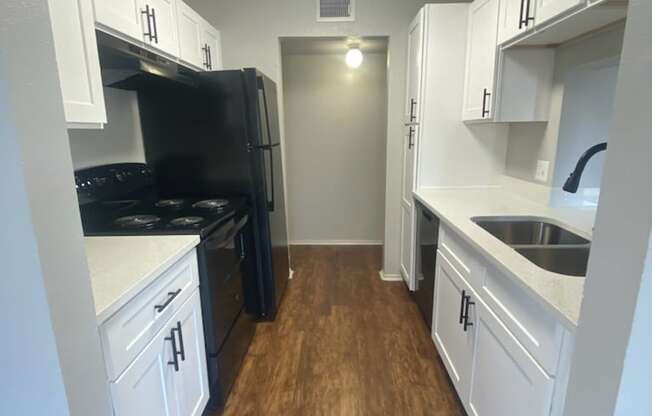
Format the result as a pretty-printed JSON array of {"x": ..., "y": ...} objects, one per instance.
[{"x": 130, "y": 67}]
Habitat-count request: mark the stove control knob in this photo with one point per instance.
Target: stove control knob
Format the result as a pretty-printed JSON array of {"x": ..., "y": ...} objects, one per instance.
[{"x": 121, "y": 177}]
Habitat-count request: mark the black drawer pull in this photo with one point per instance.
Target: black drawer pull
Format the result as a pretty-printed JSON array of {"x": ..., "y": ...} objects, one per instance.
[
  {"x": 182, "y": 349},
  {"x": 462, "y": 307},
  {"x": 171, "y": 296},
  {"x": 175, "y": 353},
  {"x": 467, "y": 324}
]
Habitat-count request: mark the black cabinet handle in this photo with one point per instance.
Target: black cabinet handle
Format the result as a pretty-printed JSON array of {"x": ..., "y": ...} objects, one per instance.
[
  {"x": 462, "y": 306},
  {"x": 182, "y": 349},
  {"x": 155, "y": 36},
  {"x": 467, "y": 324},
  {"x": 413, "y": 103},
  {"x": 205, "y": 50},
  {"x": 521, "y": 21},
  {"x": 485, "y": 106},
  {"x": 210, "y": 58},
  {"x": 528, "y": 18},
  {"x": 175, "y": 353},
  {"x": 243, "y": 253},
  {"x": 149, "y": 23},
  {"x": 171, "y": 296},
  {"x": 410, "y": 141}
]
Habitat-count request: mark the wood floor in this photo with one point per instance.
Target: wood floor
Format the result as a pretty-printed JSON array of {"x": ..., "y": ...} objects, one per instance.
[{"x": 344, "y": 343}]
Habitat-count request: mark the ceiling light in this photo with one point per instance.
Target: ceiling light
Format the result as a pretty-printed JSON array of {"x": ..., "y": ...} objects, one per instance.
[{"x": 354, "y": 57}]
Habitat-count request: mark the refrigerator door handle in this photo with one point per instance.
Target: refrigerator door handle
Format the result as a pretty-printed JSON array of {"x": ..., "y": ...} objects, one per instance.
[{"x": 271, "y": 203}]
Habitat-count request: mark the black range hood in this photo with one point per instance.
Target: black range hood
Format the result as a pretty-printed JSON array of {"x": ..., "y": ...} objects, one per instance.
[{"x": 130, "y": 67}]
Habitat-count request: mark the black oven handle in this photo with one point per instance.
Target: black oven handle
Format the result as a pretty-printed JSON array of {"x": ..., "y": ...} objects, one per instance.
[{"x": 221, "y": 240}]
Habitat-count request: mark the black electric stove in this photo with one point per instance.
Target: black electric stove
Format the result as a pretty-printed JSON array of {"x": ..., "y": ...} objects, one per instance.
[
  {"x": 125, "y": 200},
  {"x": 152, "y": 214}
]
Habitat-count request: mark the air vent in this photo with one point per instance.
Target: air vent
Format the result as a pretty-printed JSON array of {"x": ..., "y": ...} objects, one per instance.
[{"x": 335, "y": 10}]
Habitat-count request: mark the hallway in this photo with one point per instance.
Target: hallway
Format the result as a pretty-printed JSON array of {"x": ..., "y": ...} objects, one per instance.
[{"x": 344, "y": 343}]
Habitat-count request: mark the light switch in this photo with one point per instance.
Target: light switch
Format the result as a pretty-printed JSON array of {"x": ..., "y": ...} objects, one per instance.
[{"x": 541, "y": 174}]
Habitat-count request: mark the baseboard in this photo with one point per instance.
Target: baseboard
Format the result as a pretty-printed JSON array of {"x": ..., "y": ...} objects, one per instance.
[
  {"x": 336, "y": 243},
  {"x": 390, "y": 277}
]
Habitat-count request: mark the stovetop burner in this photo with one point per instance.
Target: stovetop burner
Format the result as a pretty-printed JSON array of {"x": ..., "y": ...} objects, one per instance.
[
  {"x": 137, "y": 221},
  {"x": 211, "y": 204},
  {"x": 170, "y": 203},
  {"x": 186, "y": 221}
]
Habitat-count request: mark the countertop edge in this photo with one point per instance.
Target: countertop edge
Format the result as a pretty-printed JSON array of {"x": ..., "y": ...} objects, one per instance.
[
  {"x": 106, "y": 313},
  {"x": 565, "y": 320}
]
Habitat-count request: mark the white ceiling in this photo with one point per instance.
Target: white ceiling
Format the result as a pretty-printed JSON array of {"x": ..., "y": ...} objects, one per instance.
[{"x": 331, "y": 45}]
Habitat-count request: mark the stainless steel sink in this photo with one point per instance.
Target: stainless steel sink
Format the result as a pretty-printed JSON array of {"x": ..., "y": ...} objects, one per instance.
[
  {"x": 527, "y": 231},
  {"x": 570, "y": 261},
  {"x": 542, "y": 242}
]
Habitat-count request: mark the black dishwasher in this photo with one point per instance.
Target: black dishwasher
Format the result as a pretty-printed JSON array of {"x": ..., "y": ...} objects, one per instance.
[{"x": 426, "y": 257}]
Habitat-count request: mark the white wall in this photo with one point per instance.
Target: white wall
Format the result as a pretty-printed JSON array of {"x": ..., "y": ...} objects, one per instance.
[
  {"x": 620, "y": 242},
  {"x": 634, "y": 396},
  {"x": 335, "y": 140},
  {"x": 50, "y": 337},
  {"x": 250, "y": 37},
  {"x": 121, "y": 139},
  {"x": 577, "y": 84}
]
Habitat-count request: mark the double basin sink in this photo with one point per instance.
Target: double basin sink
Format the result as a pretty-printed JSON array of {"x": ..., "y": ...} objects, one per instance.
[{"x": 545, "y": 244}]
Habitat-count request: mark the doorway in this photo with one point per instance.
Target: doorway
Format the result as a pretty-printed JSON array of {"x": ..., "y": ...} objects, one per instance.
[{"x": 335, "y": 139}]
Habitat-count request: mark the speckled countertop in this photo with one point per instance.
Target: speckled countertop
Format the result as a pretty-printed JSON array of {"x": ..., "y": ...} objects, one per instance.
[
  {"x": 560, "y": 294},
  {"x": 120, "y": 267}
]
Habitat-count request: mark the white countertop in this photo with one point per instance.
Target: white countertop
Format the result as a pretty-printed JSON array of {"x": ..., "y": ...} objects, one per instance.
[
  {"x": 120, "y": 267},
  {"x": 560, "y": 294}
]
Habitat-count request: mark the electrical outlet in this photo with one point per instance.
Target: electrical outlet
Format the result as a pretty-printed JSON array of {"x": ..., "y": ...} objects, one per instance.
[{"x": 541, "y": 174}]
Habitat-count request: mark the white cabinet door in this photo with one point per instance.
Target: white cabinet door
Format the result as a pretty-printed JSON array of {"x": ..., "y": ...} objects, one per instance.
[
  {"x": 147, "y": 387},
  {"x": 407, "y": 244},
  {"x": 549, "y": 9},
  {"x": 454, "y": 343},
  {"x": 212, "y": 44},
  {"x": 414, "y": 69},
  {"x": 516, "y": 17},
  {"x": 192, "y": 379},
  {"x": 409, "y": 163},
  {"x": 163, "y": 24},
  {"x": 123, "y": 16},
  {"x": 505, "y": 378},
  {"x": 480, "y": 60},
  {"x": 190, "y": 36},
  {"x": 73, "y": 28}
]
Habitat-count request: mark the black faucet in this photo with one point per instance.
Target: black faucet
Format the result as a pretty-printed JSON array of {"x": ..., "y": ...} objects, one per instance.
[{"x": 573, "y": 181}]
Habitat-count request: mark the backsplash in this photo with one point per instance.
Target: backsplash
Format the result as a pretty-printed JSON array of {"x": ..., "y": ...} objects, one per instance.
[
  {"x": 580, "y": 114},
  {"x": 121, "y": 139}
]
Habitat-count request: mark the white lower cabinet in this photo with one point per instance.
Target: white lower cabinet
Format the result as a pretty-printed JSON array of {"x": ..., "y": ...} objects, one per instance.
[
  {"x": 502, "y": 352},
  {"x": 154, "y": 347},
  {"x": 170, "y": 376},
  {"x": 505, "y": 380},
  {"x": 455, "y": 344}
]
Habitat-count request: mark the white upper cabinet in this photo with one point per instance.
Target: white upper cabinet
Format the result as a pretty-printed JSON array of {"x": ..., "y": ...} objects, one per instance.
[
  {"x": 548, "y": 9},
  {"x": 123, "y": 16},
  {"x": 516, "y": 17},
  {"x": 480, "y": 59},
  {"x": 211, "y": 46},
  {"x": 161, "y": 29},
  {"x": 73, "y": 28},
  {"x": 153, "y": 22},
  {"x": 414, "y": 69},
  {"x": 190, "y": 36}
]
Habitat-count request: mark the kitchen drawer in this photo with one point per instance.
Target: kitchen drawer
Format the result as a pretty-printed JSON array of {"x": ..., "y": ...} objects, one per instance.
[
  {"x": 127, "y": 332},
  {"x": 534, "y": 327},
  {"x": 461, "y": 255}
]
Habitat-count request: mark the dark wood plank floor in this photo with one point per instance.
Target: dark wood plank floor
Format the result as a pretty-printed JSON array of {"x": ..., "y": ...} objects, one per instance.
[{"x": 344, "y": 343}]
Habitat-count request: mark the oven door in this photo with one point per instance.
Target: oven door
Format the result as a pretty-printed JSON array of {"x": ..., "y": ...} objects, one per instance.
[{"x": 221, "y": 257}]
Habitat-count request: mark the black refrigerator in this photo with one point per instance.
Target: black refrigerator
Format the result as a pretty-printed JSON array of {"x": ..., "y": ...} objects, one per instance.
[{"x": 221, "y": 136}]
